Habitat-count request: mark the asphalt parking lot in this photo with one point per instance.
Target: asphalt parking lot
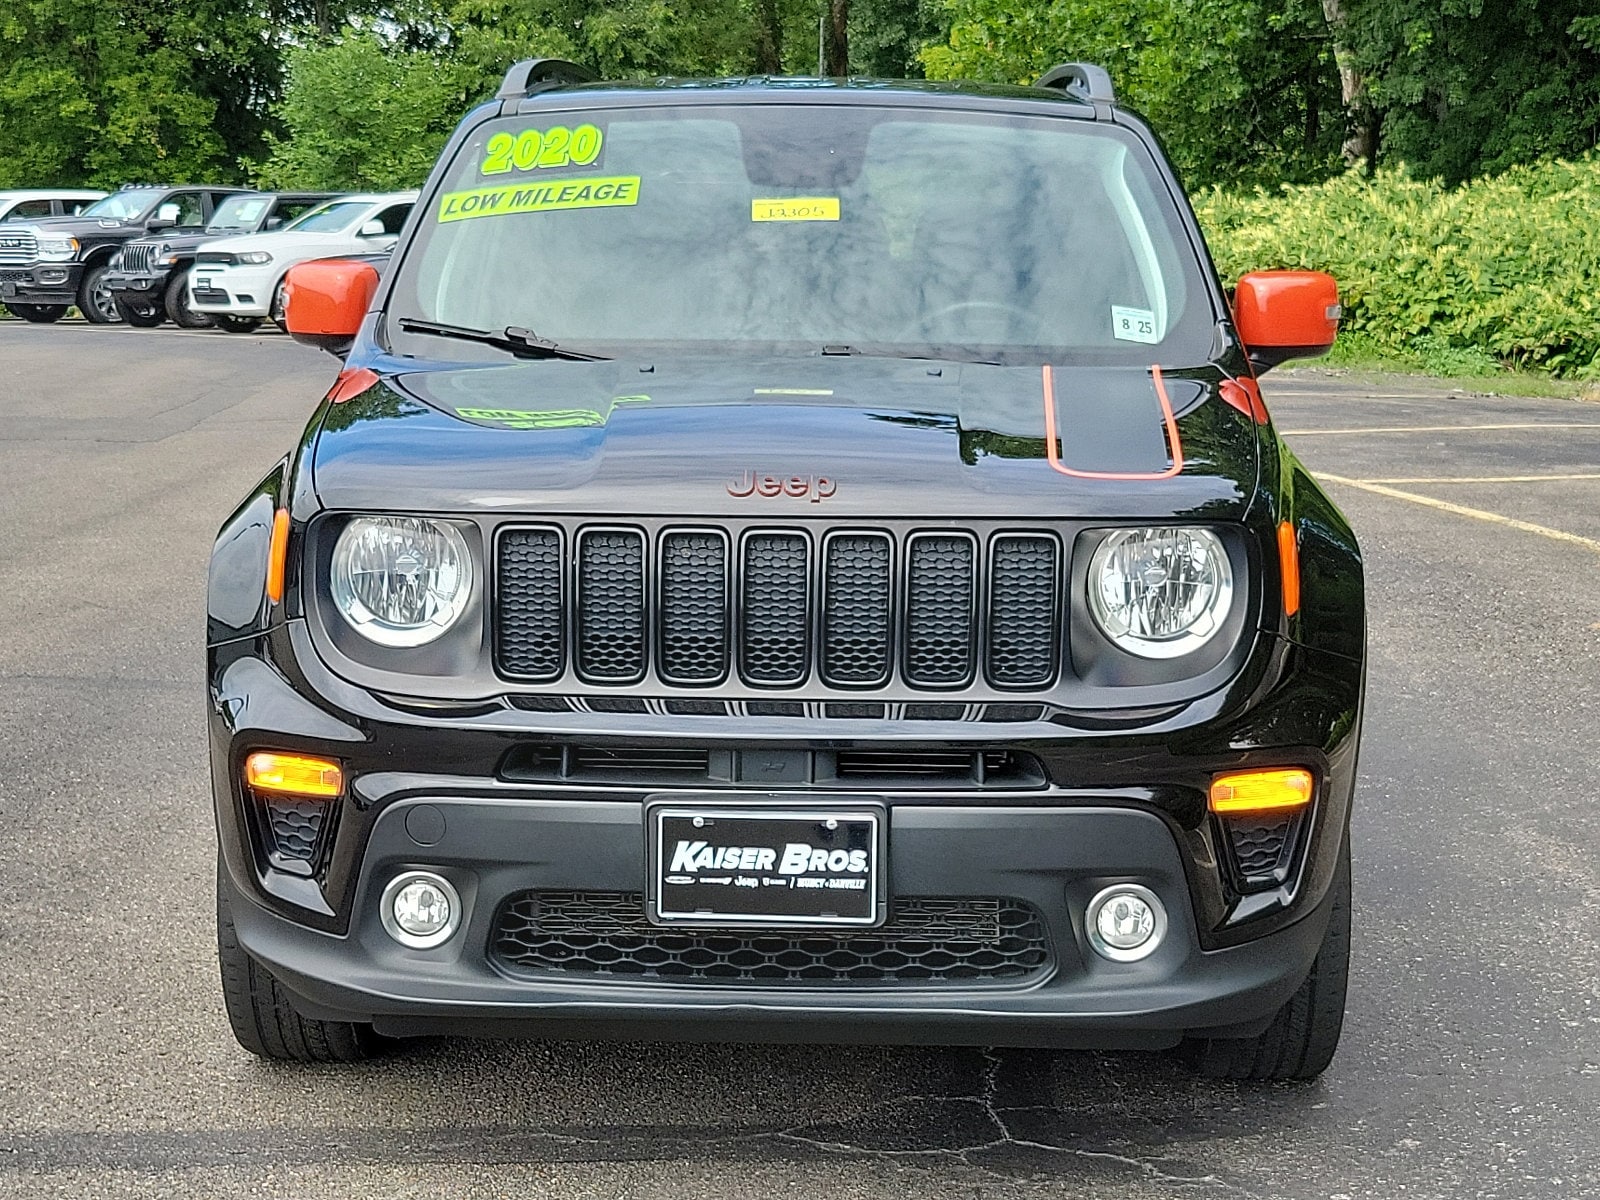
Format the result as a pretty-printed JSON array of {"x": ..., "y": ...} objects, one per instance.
[{"x": 1471, "y": 1060}]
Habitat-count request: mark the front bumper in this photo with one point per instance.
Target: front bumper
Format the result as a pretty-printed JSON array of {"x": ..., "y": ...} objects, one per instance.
[
  {"x": 43, "y": 283},
  {"x": 143, "y": 287},
  {"x": 233, "y": 290},
  {"x": 1123, "y": 807}
]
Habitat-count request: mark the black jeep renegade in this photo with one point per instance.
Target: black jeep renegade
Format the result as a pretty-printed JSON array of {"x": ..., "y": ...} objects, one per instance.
[{"x": 790, "y": 559}]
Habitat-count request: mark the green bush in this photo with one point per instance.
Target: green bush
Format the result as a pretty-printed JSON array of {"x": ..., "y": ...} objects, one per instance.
[{"x": 1506, "y": 268}]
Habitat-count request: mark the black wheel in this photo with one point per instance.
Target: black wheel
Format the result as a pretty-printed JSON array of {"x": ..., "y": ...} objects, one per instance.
[
  {"x": 141, "y": 314},
  {"x": 277, "y": 307},
  {"x": 232, "y": 324},
  {"x": 263, "y": 1019},
  {"x": 1300, "y": 1042},
  {"x": 39, "y": 314},
  {"x": 176, "y": 298},
  {"x": 95, "y": 300}
]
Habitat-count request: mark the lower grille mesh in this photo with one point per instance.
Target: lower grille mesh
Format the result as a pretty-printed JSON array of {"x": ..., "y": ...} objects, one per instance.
[
  {"x": 928, "y": 941},
  {"x": 294, "y": 826}
]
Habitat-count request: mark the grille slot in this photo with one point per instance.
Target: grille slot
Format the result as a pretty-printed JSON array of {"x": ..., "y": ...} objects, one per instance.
[
  {"x": 529, "y": 641},
  {"x": 856, "y": 599},
  {"x": 927, "y": 942},
  {"x": 611, "y": 603},
  {"x": 941, "y": 624},
  {"x": 775, "y": 617},
  {"x": 694, "y": 607},
  {"x": 938, "y": 768},
  {"x": 1024, "y": 616}
]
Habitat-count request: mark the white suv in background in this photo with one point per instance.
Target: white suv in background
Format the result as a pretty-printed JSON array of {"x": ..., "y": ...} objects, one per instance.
[
  {"x": 239, "y": 280},
  {"x": 33, "y": 203}
]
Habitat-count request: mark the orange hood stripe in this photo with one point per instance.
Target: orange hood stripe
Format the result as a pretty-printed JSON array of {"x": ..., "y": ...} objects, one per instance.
[{"x": 1052, "y": 441}]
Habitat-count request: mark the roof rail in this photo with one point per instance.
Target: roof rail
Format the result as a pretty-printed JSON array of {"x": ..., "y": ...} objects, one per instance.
[
  {"x": 536, "y": 74},
  {"x": 1085, "y": 81}
]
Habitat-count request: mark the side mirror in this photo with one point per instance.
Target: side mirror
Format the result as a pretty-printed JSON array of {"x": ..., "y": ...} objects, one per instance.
[
  {"x": 324, "y": 302},
  {"x": 1286, "y": 314},
  {"x": 373, "y": 228}
]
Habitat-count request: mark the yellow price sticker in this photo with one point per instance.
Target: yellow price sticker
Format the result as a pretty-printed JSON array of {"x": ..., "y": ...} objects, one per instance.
[
  {"x": 796, "y": 208},
  {"x": 611, "y": 191}
]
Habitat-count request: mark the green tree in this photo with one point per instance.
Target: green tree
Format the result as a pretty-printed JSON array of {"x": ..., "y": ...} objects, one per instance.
[
  {"x": 360, "y": 113},
  {"x": 1460, "y": 88},
  {"x": 1239, "y": 89}
]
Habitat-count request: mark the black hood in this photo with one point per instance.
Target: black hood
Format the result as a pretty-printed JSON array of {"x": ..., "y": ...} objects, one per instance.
[{"x": 790, "y": 438}]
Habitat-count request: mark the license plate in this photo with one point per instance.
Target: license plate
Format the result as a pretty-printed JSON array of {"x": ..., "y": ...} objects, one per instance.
[{"x": 802, "y": 868}]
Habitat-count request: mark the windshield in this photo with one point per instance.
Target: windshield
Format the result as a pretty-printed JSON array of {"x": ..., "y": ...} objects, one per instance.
[
  {"x": 809, "y": 228},
  {"x": 238, "y": 212},
  {"x": 121, "y": 206},
  {"x": 330, "y": 217}
]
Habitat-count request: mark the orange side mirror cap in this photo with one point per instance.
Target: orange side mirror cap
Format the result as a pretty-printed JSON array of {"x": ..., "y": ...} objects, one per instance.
[
  {"x": 325, "y": 301},
  {"x": 1286, "y": 314}
]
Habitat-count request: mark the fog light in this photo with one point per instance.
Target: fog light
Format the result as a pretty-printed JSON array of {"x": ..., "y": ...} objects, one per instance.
[
  {"x": 1126, "y": 922},
  {"x": 420, "y": 909},
  {"x": 49, "y": 278}
]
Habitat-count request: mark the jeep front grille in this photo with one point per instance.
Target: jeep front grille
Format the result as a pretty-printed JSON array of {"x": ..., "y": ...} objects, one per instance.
[
  {"x": 777, "y": 608},
  {"x": 137, "y": 257}
]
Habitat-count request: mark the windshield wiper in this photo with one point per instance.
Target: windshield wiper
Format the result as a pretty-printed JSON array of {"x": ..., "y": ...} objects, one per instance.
[{"x": 524, "y": 343}]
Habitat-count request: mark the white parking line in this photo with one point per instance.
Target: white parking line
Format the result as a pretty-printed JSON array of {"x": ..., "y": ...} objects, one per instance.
[
  {"x": 1436, "y": 428},
  {"x": 1461, "y": 510},
  {"x": 1484, "y": 478}
]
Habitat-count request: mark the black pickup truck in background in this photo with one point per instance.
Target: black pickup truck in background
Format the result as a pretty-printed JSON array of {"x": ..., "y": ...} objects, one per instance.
[
  {"x": 148, "y": 277},
  {"x": 46, "y": 266}
]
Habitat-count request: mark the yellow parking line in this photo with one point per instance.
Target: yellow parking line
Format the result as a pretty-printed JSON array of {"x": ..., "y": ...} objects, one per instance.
[
  {"x": 1461, "y": 510},
  {"x": 1485, "y": 478},
  {"x": 1436, "y": 428}
]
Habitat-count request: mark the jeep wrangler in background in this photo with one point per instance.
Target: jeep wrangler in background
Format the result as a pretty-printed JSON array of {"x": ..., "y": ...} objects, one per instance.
[
  {"x": 149, "y": 276},
  {"x": 792, "y": 559},
  {"x": 49, "y": 265}
]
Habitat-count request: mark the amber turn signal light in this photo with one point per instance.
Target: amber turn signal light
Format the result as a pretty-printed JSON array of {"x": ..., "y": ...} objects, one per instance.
[
  {"x": 277, "y": 555},
  {"x": 1261, "y": 791},
  {"x": 1289, "y": 566},
  {"x": 294, "y": 774}
]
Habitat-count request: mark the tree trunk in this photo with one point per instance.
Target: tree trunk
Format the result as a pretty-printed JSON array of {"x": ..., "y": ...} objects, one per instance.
[
  {"x": 837, "y": 41},
  {"x": 1361, "y": 122},
  {"x": 769, "y": 38}
]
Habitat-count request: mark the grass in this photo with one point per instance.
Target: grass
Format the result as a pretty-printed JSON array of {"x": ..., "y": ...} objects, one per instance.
[{"x": 1469, "y": 370}]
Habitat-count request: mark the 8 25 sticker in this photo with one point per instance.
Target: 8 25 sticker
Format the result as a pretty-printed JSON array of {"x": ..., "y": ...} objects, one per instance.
[
  {"x": 532, "y": 149},
  {"x": 1134, "y": 325}
]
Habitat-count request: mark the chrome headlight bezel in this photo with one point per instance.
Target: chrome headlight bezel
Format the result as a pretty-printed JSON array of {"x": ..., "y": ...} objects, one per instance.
[
  {"x": 57, "y": 248},
  {"x": 452, "y": 558},
  {"x": 1200, "y": 552}
]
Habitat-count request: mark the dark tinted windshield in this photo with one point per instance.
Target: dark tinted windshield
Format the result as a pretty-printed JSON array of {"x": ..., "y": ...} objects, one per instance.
[{"x": 793, "y": 227}]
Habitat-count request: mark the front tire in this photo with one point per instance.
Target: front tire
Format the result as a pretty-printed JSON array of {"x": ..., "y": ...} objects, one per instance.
[
  {"x": 176, "y": 298},
  {"x": 95, "y": 300},
  {"x": 39, "y": 314},
  {"x": 140, "y": 316},
  {"x": 229, "y": 323},
  {"x": 262, "y": 1017},
  {"x": 1300, "y": 1042}
]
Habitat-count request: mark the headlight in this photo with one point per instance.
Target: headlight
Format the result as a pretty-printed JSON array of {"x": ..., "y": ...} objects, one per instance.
[
  {"x": 58, "y": 249},
  {"x": 400, "y": 581},
  {"x": 163, "y": 256},
  {"x": 1160, "y": 593},
  {"x": 254, "y": 257}
]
